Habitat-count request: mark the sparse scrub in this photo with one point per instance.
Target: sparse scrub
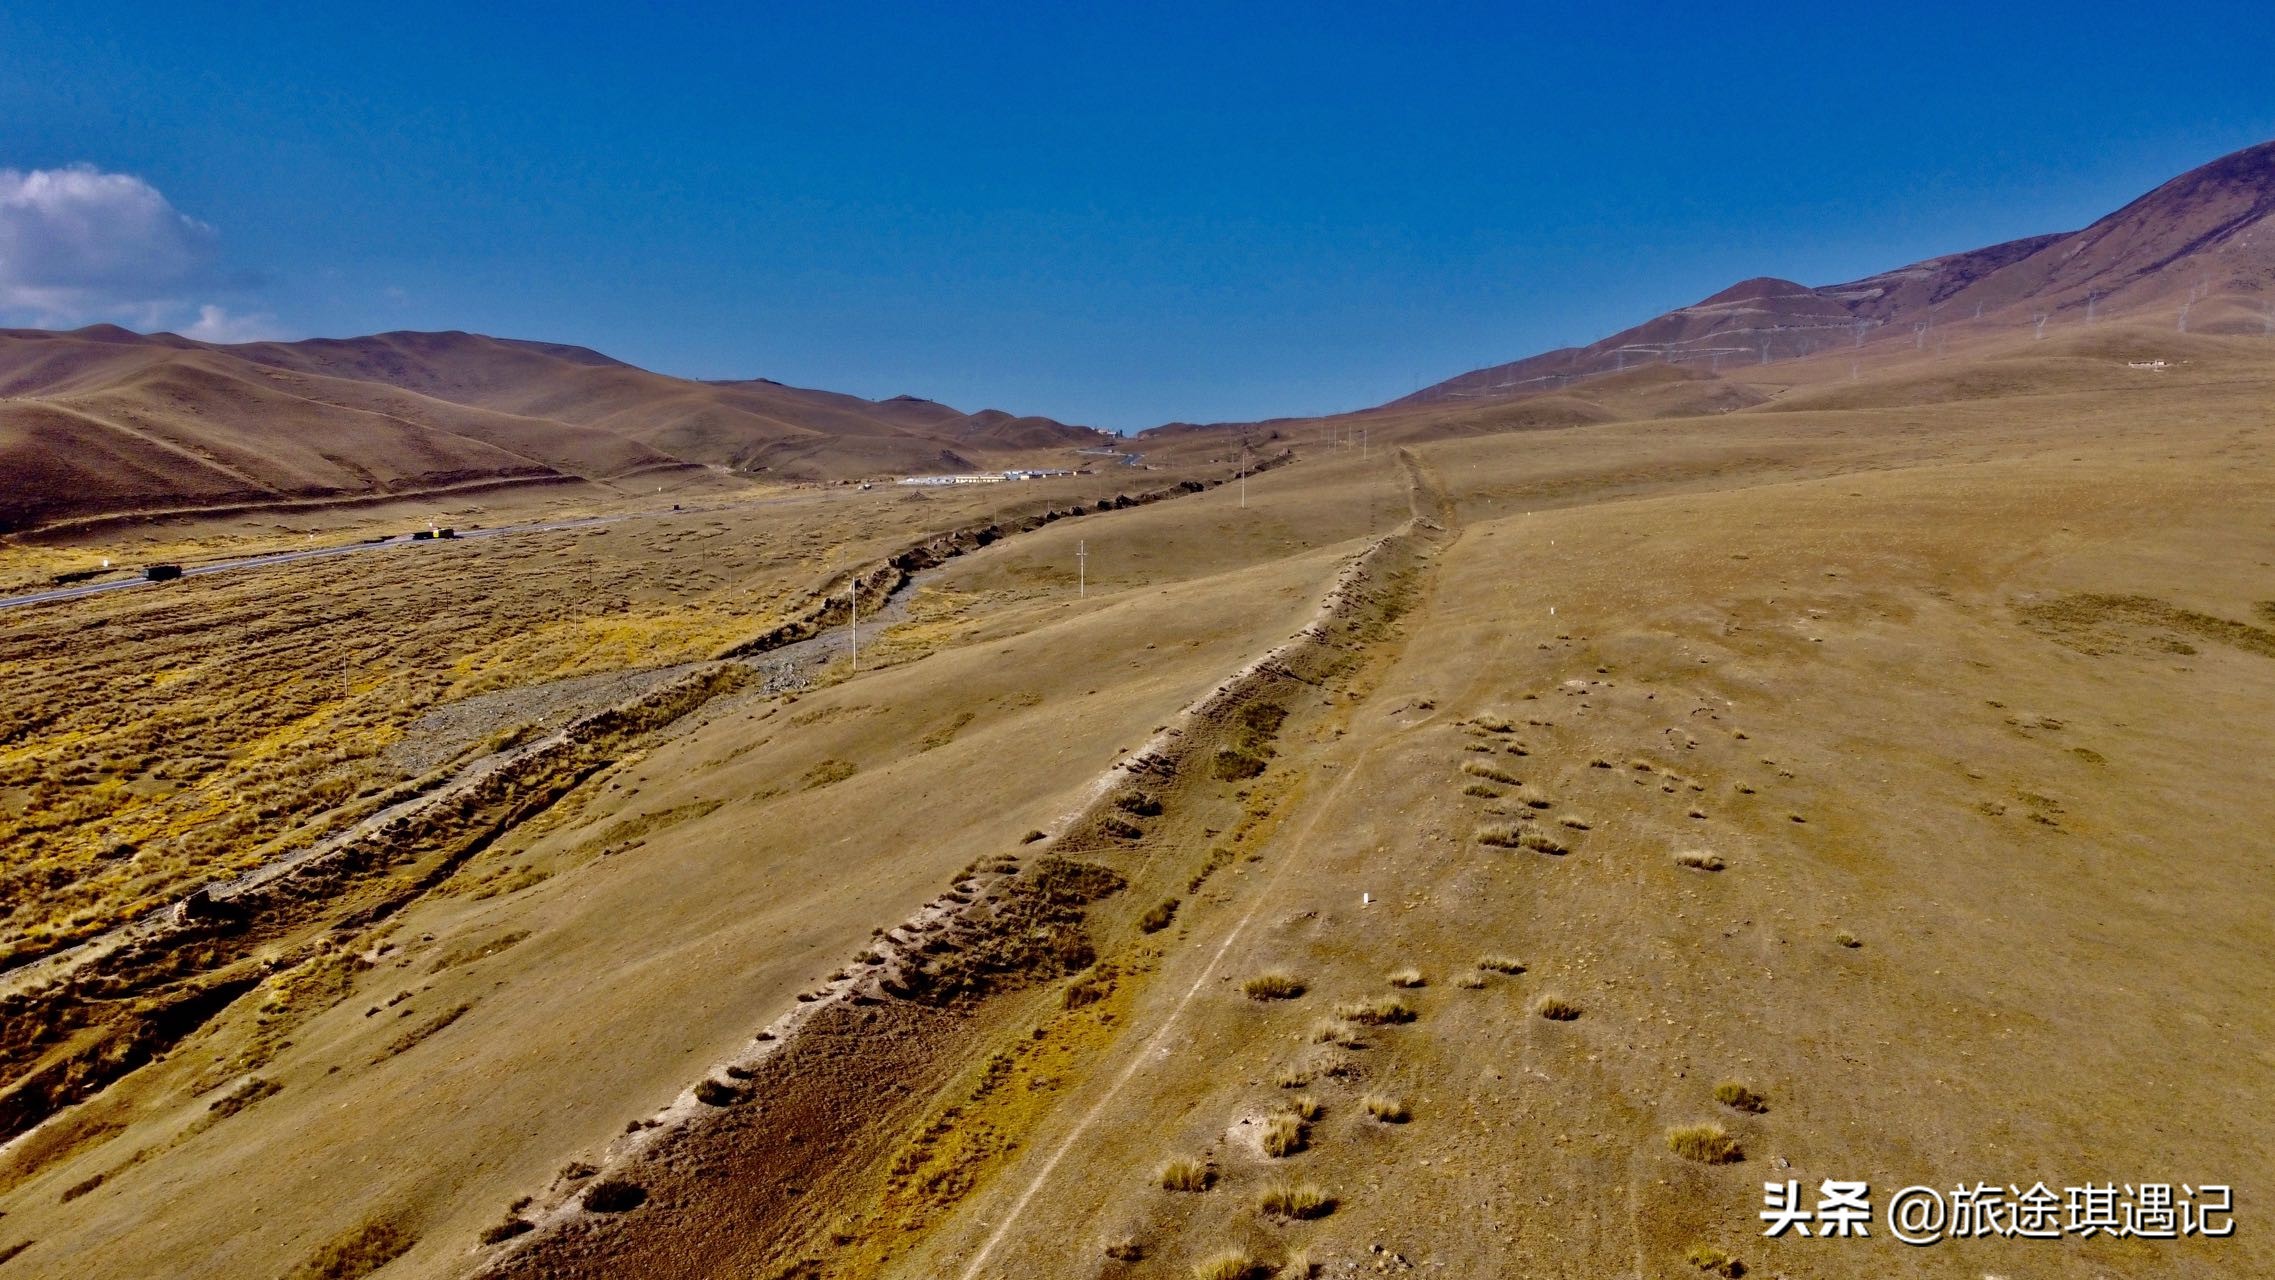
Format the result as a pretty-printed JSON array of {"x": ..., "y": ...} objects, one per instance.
[
  {"x": 1273, "y": 984},
  {"x": 1382, "y": 1011},
  {"x": 514, "y": 1225},
  {"x": 1303, "y": 1200},
  {"x": 1386, "y": 1109},
  {"x": 1705, "y": 1143},
  {"x": 1283, "y": 1135},
  {"x": 1557, "y": 1009},
  {"x": 1738, "y": 1097},
  {"x": 1699, "y": 861},
  {"x": 1185, "y": 1174}
]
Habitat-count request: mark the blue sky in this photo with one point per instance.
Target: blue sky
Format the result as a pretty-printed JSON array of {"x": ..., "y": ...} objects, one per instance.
[{"x": 1112, "y": 215}]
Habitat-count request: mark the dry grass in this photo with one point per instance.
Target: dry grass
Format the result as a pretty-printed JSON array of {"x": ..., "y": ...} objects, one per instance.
[
  {"x": 1490, "y": 772},
  {"x": 1232, "y": 1264},
  {"x": 615, "y": 1195},
  {"x": 1185, "y": 1174},
  {"x": 1379, "y": 1012},
  {"x": 1699, "y": 861},
  {"x": 1158, "y": 916},
  {"x": 1738, "y": 1097},
  {"x": 1328, "y": 1031},
  {"x": 1481, "y": 791},
  {"x": 1292, "y": 1078},
  {"x": 1715, "y": 1261},
  {"x": 1284, "y": 1135},
  {"x": 1274, "y": 984},
  {"x": 1500, "y": 835},
  {"x": 1304, "y": 1200},
  {"x": 1470, "y": 981},
  {"x": 1500, "y": 964},
  {"x": 1126, "y": 1249},
  {"x": 363, "y": 1249},
  {"x": 1408, "y": 978},
  {"x": 1705, "y": 1143},
  {"x": 1303, "y": 1107},
  {"x": 1387, "y": 1109},
  {"x": 1542, "y": 842},
  {"x": 1556, "y": 1009},
  {"x": 1847, "y": 939}
]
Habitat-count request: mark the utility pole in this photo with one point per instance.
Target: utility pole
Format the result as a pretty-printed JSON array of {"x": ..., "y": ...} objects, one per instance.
[
  {"x": 854, "y": 632},
  {"x": 1082, "y": 568}
]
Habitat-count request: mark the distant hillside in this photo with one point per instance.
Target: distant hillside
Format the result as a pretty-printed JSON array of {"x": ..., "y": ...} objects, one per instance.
[
  {"x": 103, "y": 421},
  {"x": 2200, "y": 248}
]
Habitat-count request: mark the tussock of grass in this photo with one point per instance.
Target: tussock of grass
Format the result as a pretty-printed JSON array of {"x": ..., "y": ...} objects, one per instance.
[
  {"x": 1489, "y": 771},
  {"x": 1738, "y": 1097},
  {"x": 1382, "y": 1011},
  {"x": 1542, "y": 842},
  {"x": 1284, "y": 1135},
  {"x": 1714, "y": 1261},
  {"x": 1700, "y": 861},
  {"x": 365, "y": 1248},
  {"x": 1185, "y": 1174},
  {"x": 1292, "y": 1078},
  {"x": 1847, "y": 939},
  {"x": 1705, "y": 1143},
  {"x": 1499, "y": 835},
  {"x": 1232, "y": 1264},
  {"x": 1557, "y": 1009},
  {"x": 1500, "y": 964},
  {"x": 1303, "y": 1107},
  {"x": 1495, "y": 723},
  {"x": 1385, "y": 1108},
  {"x": 1577, "y": 824},
  {"x": 1481, "y": 791},
  {"x": 1295, "y": 1200},
  {"x": 1126, "y": 1249},
  {"x": 1408, "y": 978},
  {"x": 1470, "y": 981},
  {"x": 1328, "y": 1032},
  {"x": 1275, "y": 984},
  {"x": 1158, "y": 916}
]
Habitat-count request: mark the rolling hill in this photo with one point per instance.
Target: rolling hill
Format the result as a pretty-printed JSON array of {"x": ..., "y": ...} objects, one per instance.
[{"x": 102, "y": 422}]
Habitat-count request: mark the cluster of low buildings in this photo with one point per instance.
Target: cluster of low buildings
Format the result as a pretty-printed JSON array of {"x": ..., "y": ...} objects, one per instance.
[{"x": 990, "y": 477}]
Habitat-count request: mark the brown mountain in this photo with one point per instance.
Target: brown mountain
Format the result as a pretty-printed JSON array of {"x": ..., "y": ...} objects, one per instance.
[
  {"x": 2200, "y": 249},
  {"x": 103, "y": 421}
]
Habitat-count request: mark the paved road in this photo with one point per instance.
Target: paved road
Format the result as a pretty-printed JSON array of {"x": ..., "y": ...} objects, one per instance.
[{"x": 299, "y": 555}]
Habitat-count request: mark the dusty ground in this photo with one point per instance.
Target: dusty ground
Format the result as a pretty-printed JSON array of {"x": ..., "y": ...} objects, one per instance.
[{"x": 1959, "y": 682}]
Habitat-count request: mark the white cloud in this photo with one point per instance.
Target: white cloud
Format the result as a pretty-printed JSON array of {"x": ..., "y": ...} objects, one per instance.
[
  {"x": 215, "y": 324},
  {"x": 78, "y": 244}
]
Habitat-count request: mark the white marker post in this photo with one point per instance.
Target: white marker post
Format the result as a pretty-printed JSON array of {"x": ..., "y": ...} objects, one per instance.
[
  {"x": 1082, "y": 568},
  {"x": 854, "y": 594}
]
